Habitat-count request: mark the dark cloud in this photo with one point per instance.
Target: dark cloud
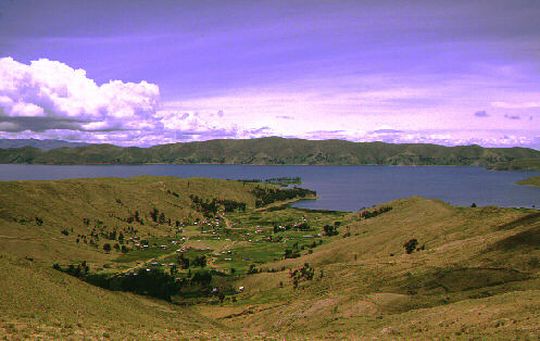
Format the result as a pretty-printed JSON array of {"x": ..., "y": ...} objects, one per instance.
[
  {"x": 481, "y": 113},
  {"x": 37, "y": 124},
  {"x": 512, "y": 117},
  {"x": 285, "y": 117}
]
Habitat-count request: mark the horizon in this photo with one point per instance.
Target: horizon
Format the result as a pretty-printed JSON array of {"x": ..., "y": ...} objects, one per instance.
[
  {"x": 259, "y": 138},
  {"x": 135, "y": 73}
]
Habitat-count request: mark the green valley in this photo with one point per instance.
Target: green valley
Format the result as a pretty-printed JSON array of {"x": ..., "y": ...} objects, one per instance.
[{"x": 162, "y": 257}]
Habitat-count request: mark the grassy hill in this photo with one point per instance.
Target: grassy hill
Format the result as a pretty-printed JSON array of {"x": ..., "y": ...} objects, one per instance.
[
  {"x": 40, "y": 144},
  {"x": 276, "y": 151},
  {"x": 39, "y": 302},
  {"x": 473, "y": 273},
  {"x": 477, "y": 275}
]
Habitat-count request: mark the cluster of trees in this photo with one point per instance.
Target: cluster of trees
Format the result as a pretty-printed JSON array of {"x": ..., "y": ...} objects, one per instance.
[
  {"x": 232, "y": 206},
  {"x": 210, "y": 208},
  {"x": 331, "y": 230},
  {"x": 152, "y": 282},
  {"x": 267, "y": 195},
  {"x": 303, "y": 226},
  {"x": 201, "y": 278},
  {"x": 295, "y": 249},
  {"x": 281, "y": 181},
  {"x": 107, "y": 248},
  {"x": 135, "y": 217},
  {"x": 185, "y": 262},
  {"x": 99, "y": 231},
  {"x": 173, "y": 193},
  {"x": 293, "y": 252},
  {"x": 158, "y": 217},
  {"x": 412, "y": 245},
  {"x": 305, "y": 273},
  {"x": 371, "y": 214},
  {"x": 76, "y": 270}
]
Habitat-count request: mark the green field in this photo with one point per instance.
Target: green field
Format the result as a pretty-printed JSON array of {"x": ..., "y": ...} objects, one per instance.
[{"x": 261, "y": 272}]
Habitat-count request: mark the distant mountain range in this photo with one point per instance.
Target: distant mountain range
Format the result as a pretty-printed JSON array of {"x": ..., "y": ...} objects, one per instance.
[
  {"x": 40, "y": 144},
  {"x": 276, "y": 151}
]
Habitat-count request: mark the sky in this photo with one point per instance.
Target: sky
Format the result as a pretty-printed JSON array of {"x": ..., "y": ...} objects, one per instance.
[{"x": 152, "y": 72}]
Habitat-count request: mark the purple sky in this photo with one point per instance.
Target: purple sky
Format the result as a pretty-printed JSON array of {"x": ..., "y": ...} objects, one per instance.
[{"x": 148, "y": 72}]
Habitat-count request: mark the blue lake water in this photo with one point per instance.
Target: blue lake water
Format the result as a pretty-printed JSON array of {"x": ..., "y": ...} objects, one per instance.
[{"x": 339, "y": 187}]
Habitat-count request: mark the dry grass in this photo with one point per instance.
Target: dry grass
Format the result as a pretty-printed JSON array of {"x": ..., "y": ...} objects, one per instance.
[{"x": 477, "y": 277}]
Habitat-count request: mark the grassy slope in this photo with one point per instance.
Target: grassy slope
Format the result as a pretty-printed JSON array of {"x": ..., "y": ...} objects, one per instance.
[
  {"x": 63, "y": 205},
  {"x": 275, "y": 150},
  {"x": 478, "y": 275},
  {"x": 38, "y": 301}
]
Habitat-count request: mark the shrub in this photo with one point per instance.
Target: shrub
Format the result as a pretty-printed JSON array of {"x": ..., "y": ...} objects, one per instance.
[
  {"x": 330, "y": 230},
  {"x": 410, "y": 246},
  {"x": 305, "y": 273}
]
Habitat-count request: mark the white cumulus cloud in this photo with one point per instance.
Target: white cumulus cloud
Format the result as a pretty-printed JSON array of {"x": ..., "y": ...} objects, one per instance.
[{"x": 49, "y": 94}]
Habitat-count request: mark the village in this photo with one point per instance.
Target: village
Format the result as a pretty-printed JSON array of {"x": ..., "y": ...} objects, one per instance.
[{"x": 206, "y": 256}]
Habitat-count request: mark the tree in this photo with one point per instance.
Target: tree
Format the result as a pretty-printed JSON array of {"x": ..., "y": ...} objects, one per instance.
[
  {"x": 410, "y": 246},
  {"x": 154, "y": 214},
  {"x": 112, "y": 235},
  {"x": 162, "y": 218},
  {"x": 330, "y": 230},
  {"x": 174, "y": 270},
  {"x": 183, "y": 261},
  {"x": 306, "y": 273},
  {"x": 202, "y": 277},
  {"x": 252, "y": 269},
  {"x": 200, "y": 261},
  {"x": 107, "y": 247},
  {"x": 221, "y": 297}
]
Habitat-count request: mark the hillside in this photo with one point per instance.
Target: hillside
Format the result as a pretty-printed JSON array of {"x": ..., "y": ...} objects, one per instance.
[
  {"x": 277, "y": 151},
  {"x": 476, "y": 275},
  {"x": 39, "y": 144},
  {"x": 273, "y": 271}
]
